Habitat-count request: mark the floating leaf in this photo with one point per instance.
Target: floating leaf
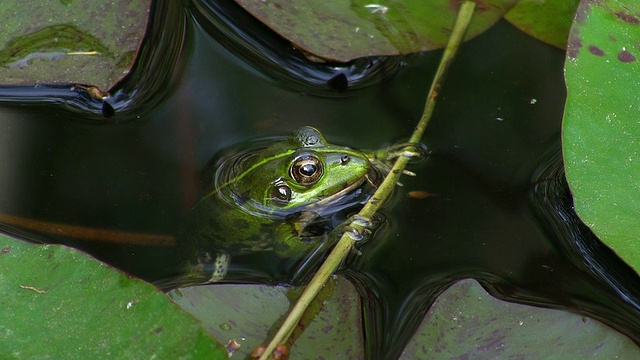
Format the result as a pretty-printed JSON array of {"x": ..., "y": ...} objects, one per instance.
[
  {"x": 601, "y": 129},
  {"x": 247, "y": 313},
  {"x": 62, "y": 304},
  {"x": 342, "y": 30},
  {"x": 547, "y": 21},
  {"x": 90, "y": 42},
  {"x": 465, "y": 322}
]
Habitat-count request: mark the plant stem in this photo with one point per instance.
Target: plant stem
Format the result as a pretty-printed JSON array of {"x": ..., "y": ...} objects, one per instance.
[{"x": 346, "y": 242}]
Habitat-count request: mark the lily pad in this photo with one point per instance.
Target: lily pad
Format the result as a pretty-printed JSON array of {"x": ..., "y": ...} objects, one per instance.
[
  {"x": 340, "y": 30},
  {"x": 66, "y": 305},
  {"x": 548, "y": 21},
  {"x": 465, "y": 322},
  {"x": 250, "y": 313},
  {"x": 601, "y": 127},
  {"x": 90, "y": 42}
]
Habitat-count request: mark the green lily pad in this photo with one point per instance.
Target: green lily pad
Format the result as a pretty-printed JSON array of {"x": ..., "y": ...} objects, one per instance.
[
  {"x": 465, "y": 322},
  {"x": 249, "y": 314},
  {"x": 548, "y": 21},
  {"x": 340, "y": 30},
  {"x": 81, "y": 41},
  {"x": 601, "y": 127},
  {"x": 62, "y": 304}
]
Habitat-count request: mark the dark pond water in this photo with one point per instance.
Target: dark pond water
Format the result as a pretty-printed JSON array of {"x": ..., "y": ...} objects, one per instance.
[{"x": 210, "y": 77}]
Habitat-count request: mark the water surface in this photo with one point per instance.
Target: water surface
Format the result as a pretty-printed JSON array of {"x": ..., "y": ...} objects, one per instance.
[{"x": 500, "y": 210}]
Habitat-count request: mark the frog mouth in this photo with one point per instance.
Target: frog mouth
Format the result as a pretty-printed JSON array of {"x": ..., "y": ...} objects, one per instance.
[
  {"x": 356, "y": 193},
  {"x": 376, "y": 174},
  {"x": 351, "y": 194},
  {"x": 340, "y": 195}
]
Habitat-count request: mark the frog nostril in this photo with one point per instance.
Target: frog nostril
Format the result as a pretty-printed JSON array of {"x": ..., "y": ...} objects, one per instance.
[{"x": 344, "y": 159}]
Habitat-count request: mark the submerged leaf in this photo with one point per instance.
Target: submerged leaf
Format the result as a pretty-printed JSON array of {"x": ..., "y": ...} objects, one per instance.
[
  {"x": 340, "y": 30},
  {"x": 601, "y": 127},
  {"x": 547, "y": 21},
  {"x": 62, "y": 304},
  {"x": 48, "y": 42}
]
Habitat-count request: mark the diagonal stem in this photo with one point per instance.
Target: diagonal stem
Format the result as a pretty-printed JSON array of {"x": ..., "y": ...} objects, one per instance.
[{"x": 346, "y": 242}]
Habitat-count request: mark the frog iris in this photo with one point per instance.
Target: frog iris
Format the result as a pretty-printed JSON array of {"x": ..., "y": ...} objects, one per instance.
[{"x": 306, "y": 170}]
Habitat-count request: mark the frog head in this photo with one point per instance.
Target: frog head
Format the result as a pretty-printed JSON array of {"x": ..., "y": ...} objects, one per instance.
[
  {"x": 273, "y": 197},
  {"x": 303, "y": 173}
]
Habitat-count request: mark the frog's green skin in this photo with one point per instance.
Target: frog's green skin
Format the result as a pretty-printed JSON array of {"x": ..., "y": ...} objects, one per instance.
[{"x": 264, "y": 199}]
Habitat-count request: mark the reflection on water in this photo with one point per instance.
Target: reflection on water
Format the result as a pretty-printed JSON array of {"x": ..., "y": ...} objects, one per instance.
[
  {"x": 252, "y": 41},
  {"x": 499, "y": 210},
  {"x": 552, "y": 202}
]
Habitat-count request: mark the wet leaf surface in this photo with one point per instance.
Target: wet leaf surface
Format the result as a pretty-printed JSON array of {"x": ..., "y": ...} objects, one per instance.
[
  {"x": 73, "y": 41},
  {"x": 548, "y": 21},
  {"x": 74, "y": 306},
  {"x": 344, "y": 30},
  {"x": 601, "y": 127},
  {"x": 251, "y": 313},
  {"x": 465, "y": 322}
]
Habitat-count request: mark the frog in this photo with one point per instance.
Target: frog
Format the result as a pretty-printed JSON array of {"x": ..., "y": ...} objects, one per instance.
[{"x": 276, "y": 196}]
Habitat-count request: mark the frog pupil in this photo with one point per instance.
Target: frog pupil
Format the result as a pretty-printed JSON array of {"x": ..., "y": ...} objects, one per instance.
[{"x": 307, "y": 169}]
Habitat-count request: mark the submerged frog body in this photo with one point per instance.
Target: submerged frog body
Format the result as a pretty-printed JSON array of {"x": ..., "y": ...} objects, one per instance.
[{"x": 276, "y": 197}]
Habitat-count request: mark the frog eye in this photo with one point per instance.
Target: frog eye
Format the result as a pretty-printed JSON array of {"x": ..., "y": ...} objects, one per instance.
[
  {"x": 306, "y": 170},
  {"x": 281, "y": 195}
]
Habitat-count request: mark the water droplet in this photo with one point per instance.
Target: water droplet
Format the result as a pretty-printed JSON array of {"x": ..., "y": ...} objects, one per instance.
[
  {"x": 361, "y": 220},
  {"x": 353, "y": 233}
]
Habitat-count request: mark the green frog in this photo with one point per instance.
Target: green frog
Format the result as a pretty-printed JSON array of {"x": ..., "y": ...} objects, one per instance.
[{"x": 276, "y": 196}]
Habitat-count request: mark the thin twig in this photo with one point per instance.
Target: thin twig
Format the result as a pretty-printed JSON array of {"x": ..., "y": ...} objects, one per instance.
[
  {"x": 346, "y": 242},
  {"x": 88, "y": 233}
]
